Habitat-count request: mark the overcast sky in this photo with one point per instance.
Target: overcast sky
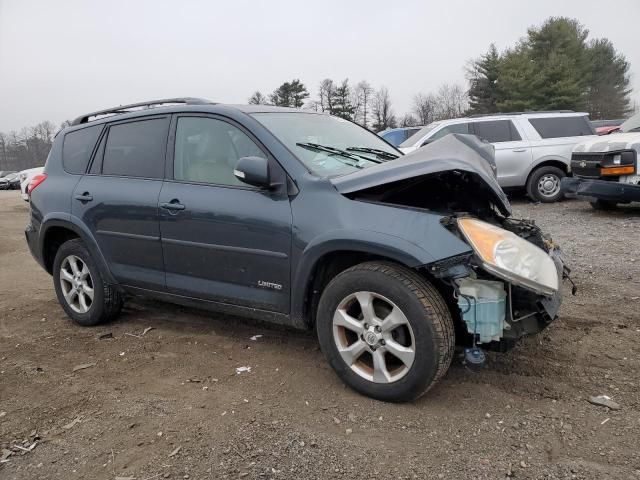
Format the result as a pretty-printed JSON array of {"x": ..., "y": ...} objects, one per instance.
[{"x": 59, "y": 59}]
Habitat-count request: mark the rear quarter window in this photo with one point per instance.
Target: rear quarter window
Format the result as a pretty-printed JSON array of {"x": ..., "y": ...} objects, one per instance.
[
  {"x": 556, "y": 127},
  {"x": 77, "y": 148}
]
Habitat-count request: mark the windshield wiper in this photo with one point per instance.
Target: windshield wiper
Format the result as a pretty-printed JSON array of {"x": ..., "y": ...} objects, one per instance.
[
  {"x": 336, "y": 151},
  {"x": 375, "y": 151}
]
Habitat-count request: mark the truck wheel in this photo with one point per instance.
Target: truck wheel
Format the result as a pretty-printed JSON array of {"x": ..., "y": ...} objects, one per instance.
[
  {"x": 385, "y": 330},
  {"x": 543, "y": 184},
  {"x": 603, "y": 205},
  {"x": 80, "y": 289}
]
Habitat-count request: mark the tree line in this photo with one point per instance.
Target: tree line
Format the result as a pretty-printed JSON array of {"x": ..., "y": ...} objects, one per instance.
[
  {"x": 28, "y": 147},
  {"x": 367, "y": 106},
  {"x": 555, "y": 66}
]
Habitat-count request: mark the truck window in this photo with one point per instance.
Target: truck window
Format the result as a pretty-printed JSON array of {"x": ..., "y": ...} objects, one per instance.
[{"x": 555, "y": 127}]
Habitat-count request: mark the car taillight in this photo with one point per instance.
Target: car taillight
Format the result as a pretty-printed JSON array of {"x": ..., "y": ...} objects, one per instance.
[{"x": 35, "y": 181}]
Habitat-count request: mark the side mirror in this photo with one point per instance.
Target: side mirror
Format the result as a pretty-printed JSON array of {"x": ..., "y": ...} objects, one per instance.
[
  {"x": 427, "y": 142},
  {"x": 253, "y": 171}
]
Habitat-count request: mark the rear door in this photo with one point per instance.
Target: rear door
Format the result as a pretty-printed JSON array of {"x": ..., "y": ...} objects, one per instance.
[
  {"x": 222, "y": 239},
  {"x": 513, "y": 152},
  {"x": 118, "y": 199}
]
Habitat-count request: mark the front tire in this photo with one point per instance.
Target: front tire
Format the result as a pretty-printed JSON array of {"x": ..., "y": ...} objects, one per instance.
[
  {"x": 543, "y": 184},
  {"x": 385, "y": 330},
  {"x": 80, "y": 289}
]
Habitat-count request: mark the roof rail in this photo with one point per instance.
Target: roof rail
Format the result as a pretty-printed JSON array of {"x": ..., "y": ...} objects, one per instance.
[
  {"x": 527, "y": 112},
  {"x": 139, "y": 106}
]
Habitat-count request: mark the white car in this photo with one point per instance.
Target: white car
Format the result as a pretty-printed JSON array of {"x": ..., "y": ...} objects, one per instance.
[
  {"x": 532, "y": 149},
  {"x": 25, "y": 179}
]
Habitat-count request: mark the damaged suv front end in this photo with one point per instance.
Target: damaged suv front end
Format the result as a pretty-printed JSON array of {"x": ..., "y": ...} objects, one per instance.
[{"x": 509, "y": 283}]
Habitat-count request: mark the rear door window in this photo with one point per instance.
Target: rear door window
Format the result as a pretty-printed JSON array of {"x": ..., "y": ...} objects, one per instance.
[
  {"x": 496, "y": 131},
  {"x": 77, "y": 148},
  {"x": 136, "y": 149},
  {"x": 555, "y": 127}
]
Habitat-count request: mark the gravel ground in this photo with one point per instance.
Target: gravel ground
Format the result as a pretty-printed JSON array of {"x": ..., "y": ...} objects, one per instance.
[{"x": 169, "y": 403}]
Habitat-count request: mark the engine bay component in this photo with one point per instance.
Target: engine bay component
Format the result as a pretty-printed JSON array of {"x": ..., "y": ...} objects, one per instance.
[{"x": 483, "y": 306}]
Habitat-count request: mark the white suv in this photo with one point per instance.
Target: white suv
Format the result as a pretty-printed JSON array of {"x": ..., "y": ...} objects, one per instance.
[{"x": 533, "y": 149}]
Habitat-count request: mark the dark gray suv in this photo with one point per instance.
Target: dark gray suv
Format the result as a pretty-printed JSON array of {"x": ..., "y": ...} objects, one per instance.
[{"x": 299, "y": 218}]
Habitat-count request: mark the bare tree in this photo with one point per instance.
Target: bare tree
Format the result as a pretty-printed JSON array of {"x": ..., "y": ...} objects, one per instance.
[
  {"x": 409, "y": 120},
  {"x": 425, "y": 108},
  {"x": 326, "y": 92},
  {"x": 257, "y": 98},
  {"x": 363, "y": 97},
  {"x": 382, "y": 112},
  {"x": 452, "y": 101}
]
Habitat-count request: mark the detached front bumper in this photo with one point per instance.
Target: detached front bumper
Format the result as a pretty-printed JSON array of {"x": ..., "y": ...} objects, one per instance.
[{"x": 600, "y": 190}]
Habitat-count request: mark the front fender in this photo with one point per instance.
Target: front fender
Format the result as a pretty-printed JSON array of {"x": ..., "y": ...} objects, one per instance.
[
  {"x": 382, "y": 244},
  {"x": 70, "y": 222}
]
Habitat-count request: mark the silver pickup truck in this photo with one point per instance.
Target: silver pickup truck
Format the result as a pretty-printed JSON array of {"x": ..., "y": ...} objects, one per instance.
[{"x": 532, "y": 150}]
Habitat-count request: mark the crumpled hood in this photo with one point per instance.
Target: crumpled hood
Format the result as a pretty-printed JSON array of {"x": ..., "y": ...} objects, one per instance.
[{"x": 454, "y": 152}]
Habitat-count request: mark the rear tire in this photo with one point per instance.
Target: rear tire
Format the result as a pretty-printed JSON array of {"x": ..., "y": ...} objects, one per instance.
[
  {"x": 543, "y": 184},
  {"x": 80, "y": 288},
  {"x": 385, "y": 330},
  {"x": 603, "y": 205}
]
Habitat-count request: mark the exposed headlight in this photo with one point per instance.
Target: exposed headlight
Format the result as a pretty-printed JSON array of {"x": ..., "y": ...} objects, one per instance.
[{"x": 510, "y": 257}]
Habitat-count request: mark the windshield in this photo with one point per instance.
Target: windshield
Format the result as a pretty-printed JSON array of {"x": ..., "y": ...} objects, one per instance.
[
  {"x": 328, "y": 146},
  {"x": 631, "y": 125},
  {"x": 409, "y": 142}
]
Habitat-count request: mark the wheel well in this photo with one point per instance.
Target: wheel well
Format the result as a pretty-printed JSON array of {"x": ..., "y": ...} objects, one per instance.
[
  {"x": 54, "y": 238},
  {"x": 549, "y": 163},
  {"x": 325, "y": 269}
]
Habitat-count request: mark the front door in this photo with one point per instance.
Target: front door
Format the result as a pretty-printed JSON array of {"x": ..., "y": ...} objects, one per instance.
[
  {"x": 118, "y": 200},
  {"x": 222, "y": 239}
]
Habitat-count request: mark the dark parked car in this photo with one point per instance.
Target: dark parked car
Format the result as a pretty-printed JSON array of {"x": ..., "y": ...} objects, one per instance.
[
  {"x": 299, "y": 218},
  {"x": 11, "y": 181}
]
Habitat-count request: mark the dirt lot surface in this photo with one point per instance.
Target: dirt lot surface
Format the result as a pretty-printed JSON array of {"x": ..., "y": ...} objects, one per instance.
[{"x": 169, "y": 403}]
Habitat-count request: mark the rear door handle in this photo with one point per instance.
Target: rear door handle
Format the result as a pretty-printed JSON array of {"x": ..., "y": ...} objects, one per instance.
[
  {"x": 519, "y": 150},
  {"x": 173, "y": 205},
  {"x": 85, "y": 197}
]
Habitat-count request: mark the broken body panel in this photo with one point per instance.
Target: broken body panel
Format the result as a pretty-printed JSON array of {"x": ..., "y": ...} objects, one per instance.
[{"x": 459, "y": 175}]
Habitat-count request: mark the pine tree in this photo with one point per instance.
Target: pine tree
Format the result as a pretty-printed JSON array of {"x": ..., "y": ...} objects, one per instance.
[
  {"x": 483, "y": 82},
  {"x": 608, "y": 89},
  {"x": 289, "y": 94},
  {"x": 342, "y": 106}
]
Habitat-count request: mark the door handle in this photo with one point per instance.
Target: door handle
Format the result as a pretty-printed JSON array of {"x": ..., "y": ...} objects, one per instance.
[
  {"x": 85, "y": 197},
  {"x": 519, "y": 150},
  {"x": 173, "y": 205}
]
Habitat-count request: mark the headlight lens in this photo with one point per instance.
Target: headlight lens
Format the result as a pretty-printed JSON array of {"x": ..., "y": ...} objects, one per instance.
[{"x": 510, "y": 257}]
